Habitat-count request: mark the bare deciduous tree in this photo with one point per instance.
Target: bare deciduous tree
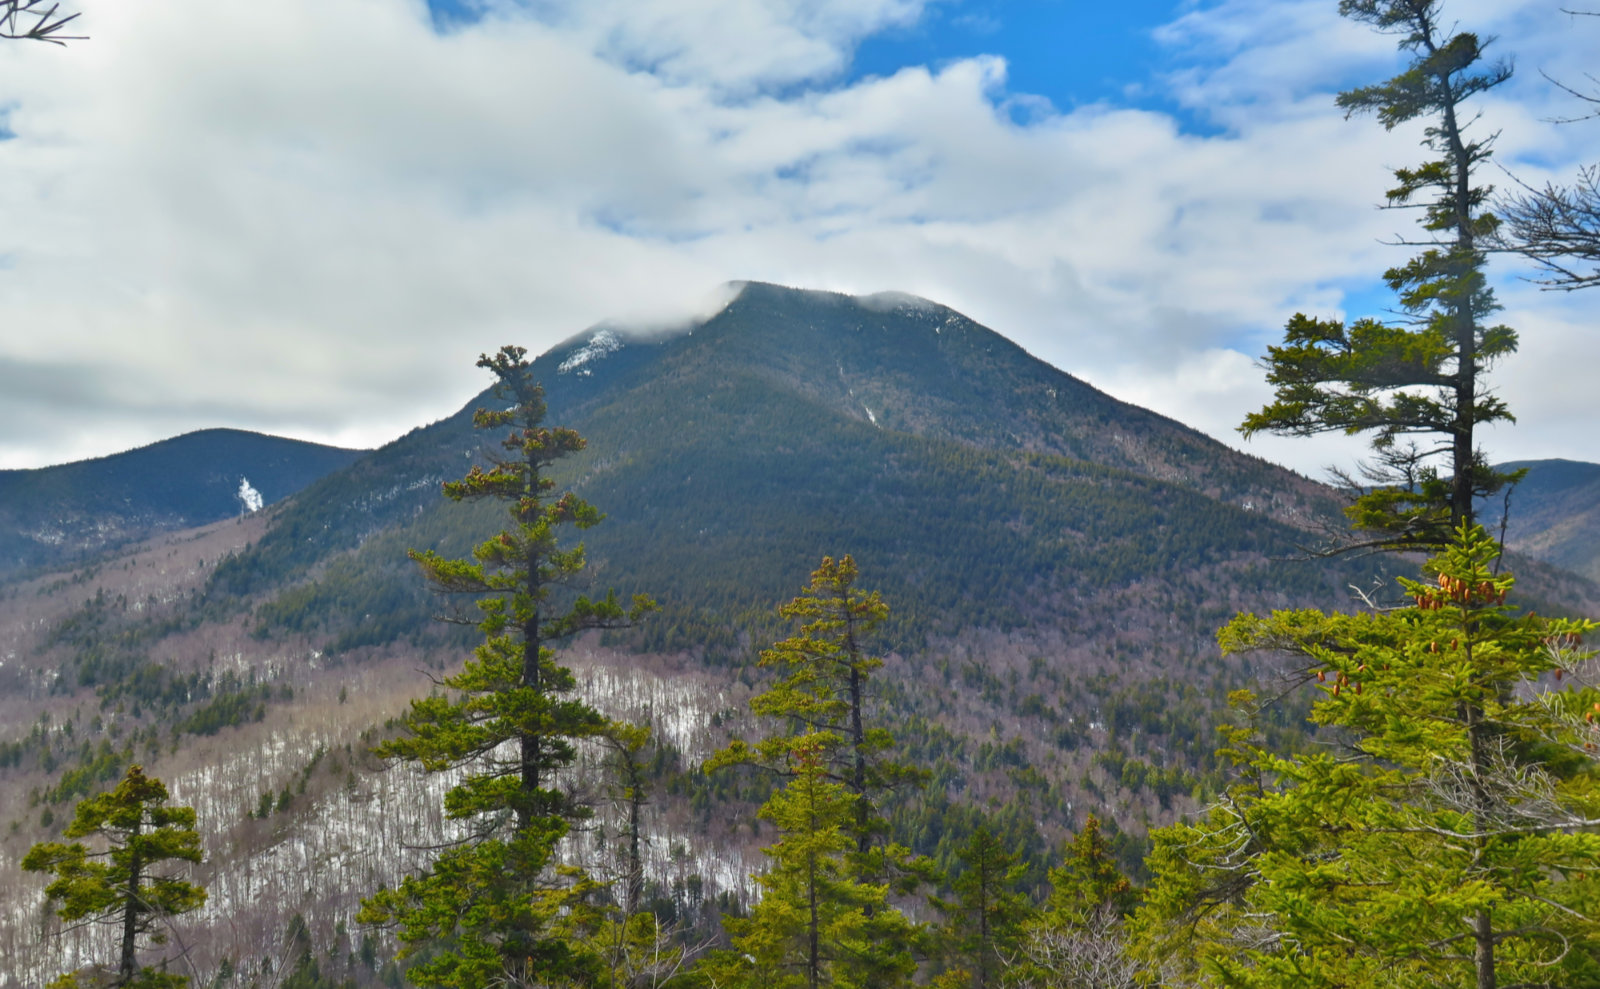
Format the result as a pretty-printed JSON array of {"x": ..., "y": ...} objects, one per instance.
[
  {"x": 1093, "y": 956},
  {"x": 1558, "y": 227}
]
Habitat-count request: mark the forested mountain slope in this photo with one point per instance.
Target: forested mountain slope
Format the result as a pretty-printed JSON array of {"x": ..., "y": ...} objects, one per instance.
[
  {"x": 1055, "y": 563},
  {"x": 55, "y": 515},
  {"x": 979, "y": 483},
  {"x": 1555, "y": 514}
]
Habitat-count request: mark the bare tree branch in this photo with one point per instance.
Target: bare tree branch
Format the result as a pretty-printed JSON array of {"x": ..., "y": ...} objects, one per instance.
[
  {"x": 35, "y": 20},
  {"x": 1558, "y": 227}
]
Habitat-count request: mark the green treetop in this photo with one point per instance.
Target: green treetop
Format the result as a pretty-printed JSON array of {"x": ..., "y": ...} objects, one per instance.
[
  {"x": 983, "y": 922},
  {"x": 1423, "y": 377},
  {"x": 823, "y": 695},
  {"x": 1079, "y": 938},
  {"x": 1088, "y": 882},
  {"x": 509, "y": 721},
  {"x": 127, "y": 883},
  {"x": 1449, "y": 838}
]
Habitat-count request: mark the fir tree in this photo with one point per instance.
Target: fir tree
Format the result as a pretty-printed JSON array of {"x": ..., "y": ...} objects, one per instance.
[
  {"x": 1078, "y": 940},
  {"x": 639, "y": 950},
  {"x": 983, "y": 922},
  {"x": 1423, "y": 377},
  {"x": 824, "y": 696},
  {"x": 123, "y": 884},
  {"x": 1088, "y": 882},
  {"x": 496, "y": 908},
  {"x": 824, "y": 918},
  {"x": 625, "y": 744},
  {"x": 816, "y": 925},
  {"x": 1450, "y": 840}
]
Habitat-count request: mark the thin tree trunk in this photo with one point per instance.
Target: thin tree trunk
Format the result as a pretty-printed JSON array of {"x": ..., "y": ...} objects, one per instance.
[
  {"x": 130, "y": 914},
  {"x": 529, "y": 743},
  {"x": 635, "y": 861},
  {"x": 1462, "y": 315},
  {"x": 814, "y": 947},
  {"x": 858, "y": 732}
]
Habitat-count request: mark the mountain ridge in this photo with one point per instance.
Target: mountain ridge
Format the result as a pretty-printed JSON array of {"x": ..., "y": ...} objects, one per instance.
[
  {"x": 900, "y": 405},
  {"x": 57, "y": 514},
  {"x": 1555, "y": 514}
]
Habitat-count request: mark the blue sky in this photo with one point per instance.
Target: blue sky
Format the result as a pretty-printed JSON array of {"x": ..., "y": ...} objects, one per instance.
[
  {"x": 308, "y": 217},
  {"x": 1036, "y": 38}
]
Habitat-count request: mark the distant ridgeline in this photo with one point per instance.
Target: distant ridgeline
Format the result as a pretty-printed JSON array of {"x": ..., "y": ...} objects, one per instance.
[
  {"x": 1554, "y": 514},
  {"x": 54, "y": 516},
  {"x": 977, "y": 486}
]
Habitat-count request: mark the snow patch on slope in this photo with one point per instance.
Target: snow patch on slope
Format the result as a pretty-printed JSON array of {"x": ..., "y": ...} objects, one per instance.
[
  {"x": 250, "y": 496},
  {"x": 602, "y": 344}
]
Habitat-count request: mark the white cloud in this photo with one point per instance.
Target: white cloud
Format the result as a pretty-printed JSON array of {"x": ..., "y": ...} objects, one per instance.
[{"x": 309, "y": 217}]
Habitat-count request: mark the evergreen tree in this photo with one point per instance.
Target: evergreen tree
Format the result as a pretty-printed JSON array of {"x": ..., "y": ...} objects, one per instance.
[
  {"x": 1077, "y": 941},
  {"x": 1424, "y": 377},
  {"x": 1088, "y": 881},
  {"x": 984, "y": 921},
  {"x": 1450, "y": 838},
  {"x": 638, "y": 949},
  {"x": 824, "y": 918},
  {"x": 625, "y": 746},
  {"x": 816, "y": 924},
  {"x": 124, "y": 884},
  {"x": 823, "y": 695},
  {"x": 495, "y": 908}
]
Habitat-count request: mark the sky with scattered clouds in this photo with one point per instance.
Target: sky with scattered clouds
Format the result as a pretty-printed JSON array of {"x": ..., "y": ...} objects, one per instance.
[{"x": 308, "y": 217}]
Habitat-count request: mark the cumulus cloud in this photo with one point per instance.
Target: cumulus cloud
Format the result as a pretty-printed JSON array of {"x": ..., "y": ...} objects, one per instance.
[{"x": 309, "y": 217}]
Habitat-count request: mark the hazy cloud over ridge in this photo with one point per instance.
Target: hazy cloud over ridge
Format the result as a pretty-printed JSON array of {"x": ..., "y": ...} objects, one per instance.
[{"x": 310, "y": 217}]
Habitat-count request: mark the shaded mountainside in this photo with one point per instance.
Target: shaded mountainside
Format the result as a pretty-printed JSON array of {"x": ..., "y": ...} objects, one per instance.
[
  {"x": 980, "y": 486},
  {"x": 55, "y": 515},
  {"x": 1555, "y": 514}
]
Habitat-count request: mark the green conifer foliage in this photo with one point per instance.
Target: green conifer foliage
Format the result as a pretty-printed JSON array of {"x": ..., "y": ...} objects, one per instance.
[
  {"x": 823, "y": 696},
  {"x": 126, "y": 883},
  {"x": 984, "y": 920},
  {"x": 1088, "y": 882},
  {"x": 1449, "y": 840},
  {"x": 495, "y": 909},
  {"x": 1078, "y": 939},
  {"x": 816, "y": 925},
  {"x": 1423, "y": 377}
]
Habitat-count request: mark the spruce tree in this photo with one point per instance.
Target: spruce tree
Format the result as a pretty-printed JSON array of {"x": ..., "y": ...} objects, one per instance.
[
  {"x": 1449, "y": 838},
  {"x": 126, "y": 883},
  {"x": 824, "y": 918},
  {"x": 1425, "y": 376},
  {"x": 816, "y": 925},
  {"x": 983, "y": 922},
  {"x": 496, "y": 909},
  {"x": 824, "y": 695},
  {"x": 1088, "y": 881},
  {"x": 1079, "y": 940},
  {"x": 638, "y": 949}
]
